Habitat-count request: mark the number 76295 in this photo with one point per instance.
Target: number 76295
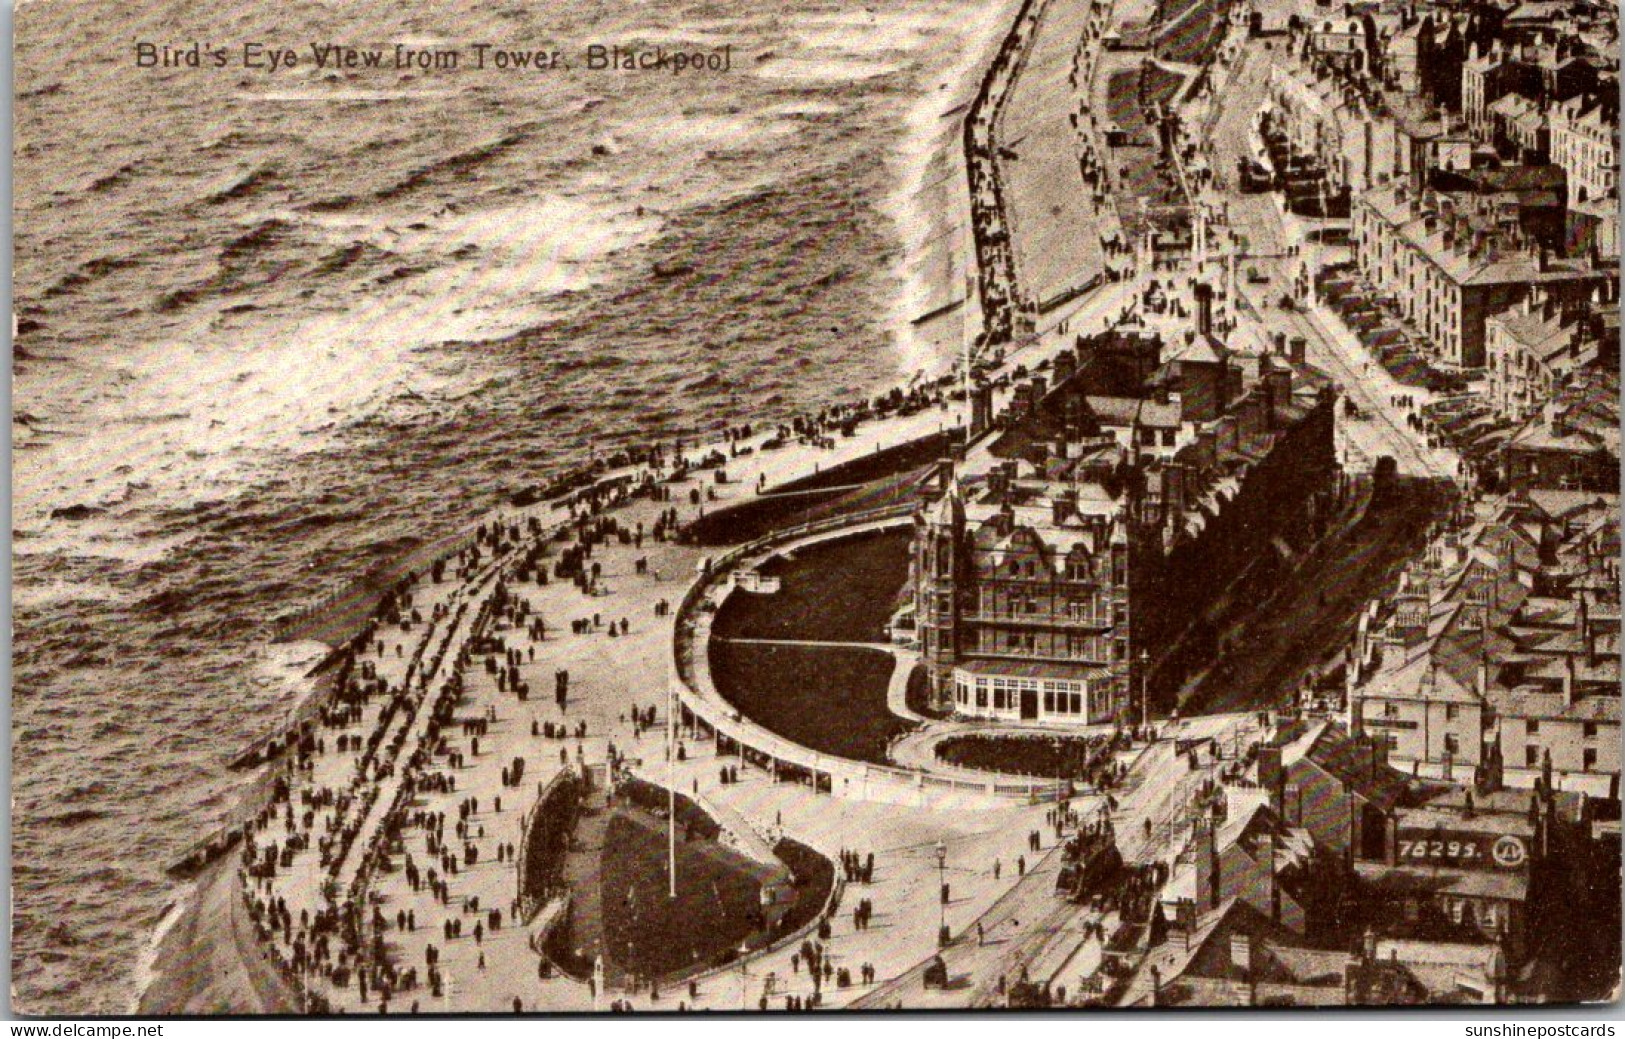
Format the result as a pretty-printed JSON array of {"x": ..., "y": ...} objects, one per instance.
[{"x": 1438, "y": 849}]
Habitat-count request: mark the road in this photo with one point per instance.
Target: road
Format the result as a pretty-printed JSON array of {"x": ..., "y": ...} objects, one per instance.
[
  {"x": 1266, "y": 234},
  {"x": 1030, "y": 924}
]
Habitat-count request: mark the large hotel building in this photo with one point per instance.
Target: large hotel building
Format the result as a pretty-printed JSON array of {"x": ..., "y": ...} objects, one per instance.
[{"x": 1059, "y": 575}]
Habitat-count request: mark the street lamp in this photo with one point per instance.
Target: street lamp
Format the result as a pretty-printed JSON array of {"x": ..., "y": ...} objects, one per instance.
[
  {"x": 1145, "y": 696},
  {"x": 942, "y": 894}
]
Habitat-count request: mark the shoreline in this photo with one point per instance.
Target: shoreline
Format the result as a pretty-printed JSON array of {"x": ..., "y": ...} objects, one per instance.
[
  {"x": 199, "y": 965},
  {"x": 925, "y": 298},
  {"x": 200, "y": 923}
]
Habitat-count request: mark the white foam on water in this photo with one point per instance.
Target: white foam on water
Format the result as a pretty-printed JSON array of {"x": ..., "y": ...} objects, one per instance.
[
  {"x": 837, "y": 69},
  {"x": 193, "y": 416},
  {"x": 35, "y": 595},
  {"x": 280, "y": 671},
  {"x": 920, "y": 218},
  {"x": 145, "y": 965}
]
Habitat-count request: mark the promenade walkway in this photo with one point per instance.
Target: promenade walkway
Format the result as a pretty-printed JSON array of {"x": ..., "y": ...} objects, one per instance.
[
  {"x": 1030, "y": 925},
  {"x": 390, "y": 851}
]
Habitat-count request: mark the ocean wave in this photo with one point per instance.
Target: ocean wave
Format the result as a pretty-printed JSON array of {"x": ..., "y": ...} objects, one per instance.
[
  {"x": 453, "y": 166},
  {"x": 45, "y": 91},
  {"x": 158, "y": 419},
  {"x": 235, "y": 140},
  {"x": 77, "y": 512},
  {"x": 265, "y": 235},
  {"x": 109, "y": 181},
  {"x": 87, "y": 272},
  {"x": 356, "y": 253},
  {"x": 410, "y": 270},
  {"x": 236, "y": 258},
  {"x": 336, "y": 204},
  {"x": 70, "y": 818},
  {"x": 249, "y": 185}
]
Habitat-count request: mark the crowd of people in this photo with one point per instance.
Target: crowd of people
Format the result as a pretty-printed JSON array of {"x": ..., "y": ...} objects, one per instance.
[{"x": 368, "y": 788}]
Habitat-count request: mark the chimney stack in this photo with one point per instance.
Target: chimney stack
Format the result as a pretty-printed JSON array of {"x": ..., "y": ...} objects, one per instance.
[
  {"x": 1271, "y": 772},
  {"x": 1066, "y": 362},
  {"x": 981, "y": 412},
  {"x": 1206, "y": 850},
  {"x": 1241, "y": 954},
  {"x": 1204, "y": 308}
]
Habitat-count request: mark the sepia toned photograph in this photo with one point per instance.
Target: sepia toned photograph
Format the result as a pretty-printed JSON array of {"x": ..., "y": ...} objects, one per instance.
[{"x": 667, "y": 506}]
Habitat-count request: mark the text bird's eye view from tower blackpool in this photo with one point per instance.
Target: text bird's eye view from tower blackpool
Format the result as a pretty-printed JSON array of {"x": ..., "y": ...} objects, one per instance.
[{"x": 666, "y": 506}]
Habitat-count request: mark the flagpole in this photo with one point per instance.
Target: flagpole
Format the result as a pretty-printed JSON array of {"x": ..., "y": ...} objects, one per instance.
[
  {"x": 671, "y": 783},
  {"x": 967, "y": 333}
]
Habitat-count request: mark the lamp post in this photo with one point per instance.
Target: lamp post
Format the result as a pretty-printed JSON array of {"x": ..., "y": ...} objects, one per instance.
[
  {"x": 942, "y": 894},
  {"x": 1145, "y": 696},
  {"x": 671, "y": 782}
]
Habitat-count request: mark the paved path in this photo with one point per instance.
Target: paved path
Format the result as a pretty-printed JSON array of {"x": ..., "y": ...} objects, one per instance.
[
  {"x": 609, "y": 678},
  {"x": 1030, "y": 924},
  {"x": 1020, "y": 924},
  {"x": 1267, "y": 230}
]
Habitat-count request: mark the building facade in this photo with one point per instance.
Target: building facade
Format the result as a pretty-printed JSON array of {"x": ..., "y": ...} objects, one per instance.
[
  {"x": 1583, "y": 133},
  {"x": 1065, "y": 557},
  {"x": 1452, "y": 261}
]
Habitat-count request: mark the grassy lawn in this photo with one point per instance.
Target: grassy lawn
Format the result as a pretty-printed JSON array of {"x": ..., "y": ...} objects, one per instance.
[
  {"x": 839, "y": 592},
  {"x": 1048, "y": 757},
  {"x": 919, "y": 694},
  {"x": 1196, "y": 37},
  {"x": 651, "y": 935},
  {"x": 831, "y": 700},
  {"x": 813, "y": 876}
]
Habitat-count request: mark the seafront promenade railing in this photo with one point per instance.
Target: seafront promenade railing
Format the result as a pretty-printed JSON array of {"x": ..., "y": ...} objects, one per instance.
[{"x": 858, "y": 780}]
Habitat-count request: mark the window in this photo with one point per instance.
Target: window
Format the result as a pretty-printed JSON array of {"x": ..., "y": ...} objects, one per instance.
[
  {"x": 1531, "y": 725},
  {"x": 1589, "y": 759},
  {"x": 1590, "y": 730},
  {"x": 1452, "y": 746},
  {"x": 1531, "y": 757},
  {"x": 1451, "y": 711},
  {"x": 1390, "y": 710},
  {"x": 1012, "y": 640},
  {"x": 981, "y": 697},
  {"x": 1049, "y": 703}
]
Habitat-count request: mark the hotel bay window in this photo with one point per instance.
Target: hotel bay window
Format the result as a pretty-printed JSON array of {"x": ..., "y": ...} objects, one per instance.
[{"x": 1012, "y": 698}]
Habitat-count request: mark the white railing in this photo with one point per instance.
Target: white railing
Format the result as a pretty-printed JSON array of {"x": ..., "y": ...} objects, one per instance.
[{"x": 847, "y": 778}]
